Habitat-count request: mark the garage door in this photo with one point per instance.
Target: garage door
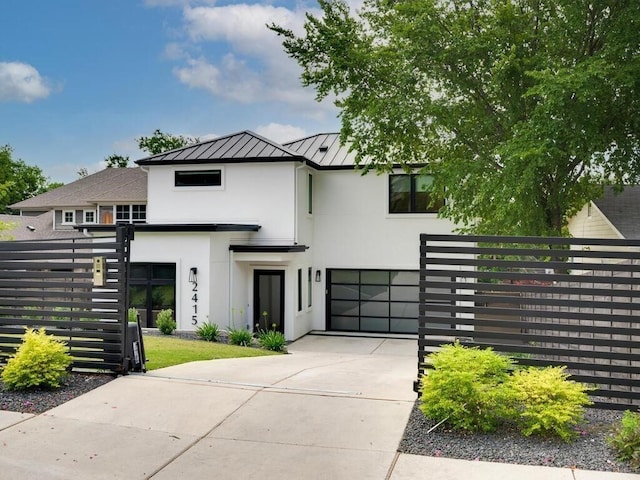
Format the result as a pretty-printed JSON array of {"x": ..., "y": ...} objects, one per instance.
[{"x": 382, "y": 301}]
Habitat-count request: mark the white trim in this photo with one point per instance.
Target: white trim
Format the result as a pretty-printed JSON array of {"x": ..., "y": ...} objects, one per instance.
[
  {"x": 84, "y": 216},
  {"x": 63, "y": 220}
]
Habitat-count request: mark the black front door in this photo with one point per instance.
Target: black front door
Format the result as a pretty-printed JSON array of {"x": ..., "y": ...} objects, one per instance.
[{"x": 268, "y": 300}]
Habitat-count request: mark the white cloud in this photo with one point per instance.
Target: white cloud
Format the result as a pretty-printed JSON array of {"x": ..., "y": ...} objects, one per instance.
[
  {"x": 198, "y": 73},
  {"x": 21, "y": 82},
  {"x": 281, "y": 133},
  {"x": 238, "y": 58}
]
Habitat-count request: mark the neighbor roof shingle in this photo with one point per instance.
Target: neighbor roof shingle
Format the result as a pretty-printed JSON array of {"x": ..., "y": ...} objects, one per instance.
[
  {"x": 622, "y": 209},
  {"x": 111, "y": 185}
]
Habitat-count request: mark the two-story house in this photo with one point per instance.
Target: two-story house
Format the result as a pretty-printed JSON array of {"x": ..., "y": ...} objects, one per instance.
[{"x": 244, "y": 232}]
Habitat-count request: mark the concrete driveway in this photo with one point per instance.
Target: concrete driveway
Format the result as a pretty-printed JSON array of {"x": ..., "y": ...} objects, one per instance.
[{"x": 335, "y": 408}]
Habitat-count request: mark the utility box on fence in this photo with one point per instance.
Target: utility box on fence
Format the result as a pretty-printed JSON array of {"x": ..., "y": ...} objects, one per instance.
[{"x": 135, "y": 348}]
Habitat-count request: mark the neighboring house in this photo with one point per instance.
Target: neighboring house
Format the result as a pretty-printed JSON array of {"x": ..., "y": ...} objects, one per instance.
[
  {"x": 614, "y": 215},
  {"x": 106, "y": 197},
  {"x": 248, "y": 233}
]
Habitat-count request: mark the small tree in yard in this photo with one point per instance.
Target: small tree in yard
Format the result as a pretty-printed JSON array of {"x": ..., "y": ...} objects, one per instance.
[{"x": 520, "y": 109}]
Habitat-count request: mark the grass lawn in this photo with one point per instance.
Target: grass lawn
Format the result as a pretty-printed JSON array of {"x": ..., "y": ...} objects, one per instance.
[{"x": 166, "y": 351}]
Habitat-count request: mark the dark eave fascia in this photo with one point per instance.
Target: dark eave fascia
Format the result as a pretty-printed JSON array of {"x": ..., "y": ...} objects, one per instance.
[
  {"x": 267, "y": 248},
  {"x": 177, "y": 227},
  {"x": 216, "y": 161}
]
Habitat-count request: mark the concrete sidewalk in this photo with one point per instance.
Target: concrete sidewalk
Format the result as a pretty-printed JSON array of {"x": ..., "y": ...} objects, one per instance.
[{"x": 335, "y": 408}]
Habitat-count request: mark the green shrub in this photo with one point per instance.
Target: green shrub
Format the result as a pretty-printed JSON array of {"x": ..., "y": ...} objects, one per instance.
[
  {"x": 626, "y": 438},
  {"x": 40, "y": 361},
  {"x": 132, "y": 315},
  {"x": 165, "y": 322},
  {"x": 208, "y": 331},
  {"x": 467, "y": 388},
  {"x": 239, "y": 336},
  {"x": 547, "y": 402},
  {"x": 272, "y": 340}
]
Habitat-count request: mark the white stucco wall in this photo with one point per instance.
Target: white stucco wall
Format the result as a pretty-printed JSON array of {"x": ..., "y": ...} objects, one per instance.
[
  {"x": 186, "y": 250},
  {"x": 353, "y": 229},
  {"x": 252, "y": 193}
]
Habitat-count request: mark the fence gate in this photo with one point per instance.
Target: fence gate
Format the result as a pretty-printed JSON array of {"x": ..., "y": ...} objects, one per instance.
[
  {"x": 77, "y": 289},
  {"x": 545, "y": 301}
]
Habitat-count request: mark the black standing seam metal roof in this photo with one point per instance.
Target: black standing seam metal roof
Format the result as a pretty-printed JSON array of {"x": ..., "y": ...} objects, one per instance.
[{"x": 244, "y": 146}]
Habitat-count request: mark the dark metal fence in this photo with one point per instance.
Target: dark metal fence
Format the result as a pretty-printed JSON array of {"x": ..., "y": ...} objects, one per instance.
[
  {"x": 76, "y": 289},
  {"x": 546, "y": 301}
]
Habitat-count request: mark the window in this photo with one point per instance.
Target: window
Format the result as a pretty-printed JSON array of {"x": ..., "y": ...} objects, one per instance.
[
  {"x": 152, "y": 288},
  {"x": 310, "y": 195},
  {"x": 198, "y": 178},
  {"x": 131, "y": 213},
  {"x": 138, "y": 213},
  {"x": 309, "y": 287},
  {"x": 123, "y": 213},
  {"x": 299, "y": 289},
  {"x": 68, "y": 216},
  {"x": 410, "y": 194},
  {"x": 89, "y": 216}
]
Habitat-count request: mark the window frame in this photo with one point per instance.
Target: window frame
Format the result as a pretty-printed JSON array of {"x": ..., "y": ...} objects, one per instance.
[
  {"x": 300, "y": 303},
  {"x": 310, "y": 194},
  {"x": 117, "y": 218},
  {"x": 64, "y": 220},
  {"x": 212, "y": 186},
  {"x": 84, "y": 216},
  {"x": 309, "y": 287},
  {"x": 413, "y": 209}
]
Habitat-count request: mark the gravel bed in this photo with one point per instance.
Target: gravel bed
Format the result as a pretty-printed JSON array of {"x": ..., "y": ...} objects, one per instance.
[
  {"x": 589, "y": 452},
  {"x": 41, "y": 400}
]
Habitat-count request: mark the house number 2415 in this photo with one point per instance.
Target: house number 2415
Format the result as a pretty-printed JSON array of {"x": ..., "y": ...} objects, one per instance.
[{"x": 194, "y": 300}]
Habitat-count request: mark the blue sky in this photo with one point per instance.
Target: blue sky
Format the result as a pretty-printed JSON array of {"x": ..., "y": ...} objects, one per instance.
[{"x": 82, "y": 79}]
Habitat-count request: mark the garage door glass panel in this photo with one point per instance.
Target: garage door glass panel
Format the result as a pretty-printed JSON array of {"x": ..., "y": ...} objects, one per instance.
[
  {"x": 344, "y": 308},
  {"x": 378, "y": 309},
  {"x": 345, "y": 292},
  {"x": 374, "y": 324},
  {"x": 374, "y": 292}
]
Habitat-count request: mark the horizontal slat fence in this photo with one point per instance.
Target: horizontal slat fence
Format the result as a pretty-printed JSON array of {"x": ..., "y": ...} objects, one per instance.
[
  {"x": 50, "y": 284},
  {"x": 545, "y": 301}
]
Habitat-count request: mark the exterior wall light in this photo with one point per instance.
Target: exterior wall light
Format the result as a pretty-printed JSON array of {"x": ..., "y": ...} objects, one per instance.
[
  {"x": 193, "y": 275},
  {"x": 318, "y": 275}
]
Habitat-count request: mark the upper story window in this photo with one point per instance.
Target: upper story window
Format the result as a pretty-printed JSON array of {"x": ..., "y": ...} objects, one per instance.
[
  {"x": 131, "y": 213},
  {"x": 89, "y": 216},
  {"x": 138, "y": 213},
  {"x": 310, "y": 194},
  {"x": 123, "y": 213},
  {"x": 68, "y": 216},
  {"x": 198, "y": 178},
  {"x": 410, "y": 194}
]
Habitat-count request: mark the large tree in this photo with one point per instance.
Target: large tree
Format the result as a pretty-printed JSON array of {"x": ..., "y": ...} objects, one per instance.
[
  {"x": 19, "y": 181},
  {"x": 521, "y": 109},
  {"x": 160, "y": 142}
]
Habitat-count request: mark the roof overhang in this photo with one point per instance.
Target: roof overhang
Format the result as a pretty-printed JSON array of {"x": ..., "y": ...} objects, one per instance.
[
  {"x": 268, "y": 248},
  {"x": 177, "y": 227}
]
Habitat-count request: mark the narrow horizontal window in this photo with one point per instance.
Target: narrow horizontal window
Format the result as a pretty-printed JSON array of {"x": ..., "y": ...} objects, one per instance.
[{"x": 198, "y": 178}]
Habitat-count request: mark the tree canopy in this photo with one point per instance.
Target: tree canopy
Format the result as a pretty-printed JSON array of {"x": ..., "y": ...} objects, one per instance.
[
  {"x": 521, "y": 109},
  {"x": 19, "y": 181},
  {"x": 117, "y": 161},
  {"x": 160, "y": 142}
]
